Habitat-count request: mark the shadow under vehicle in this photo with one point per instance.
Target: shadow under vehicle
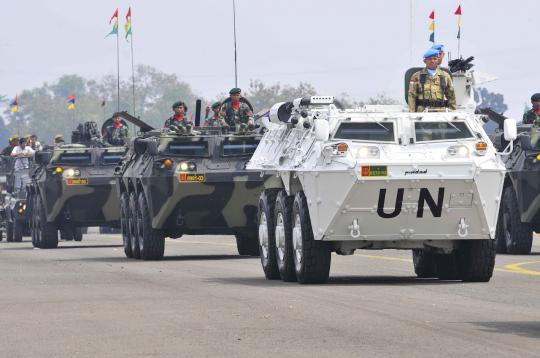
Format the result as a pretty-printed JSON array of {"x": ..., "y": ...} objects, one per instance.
[
  {"x": 73, "y": 187},
  {"x": 173, "y": 183},
  {"x": 14, "y": 211},
  {"x": 519, "y": 214}
]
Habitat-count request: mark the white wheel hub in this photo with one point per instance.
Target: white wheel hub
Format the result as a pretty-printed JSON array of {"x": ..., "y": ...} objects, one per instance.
[
  {"x": 263, "y": 235},
  {"x": 280, "y": 237},
  {"x": 297, "y": 240}
]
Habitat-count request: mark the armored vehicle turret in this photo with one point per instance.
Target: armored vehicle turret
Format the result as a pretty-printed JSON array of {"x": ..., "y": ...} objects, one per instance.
[
  {"x": 175, "y": 181},
  {"x": 73, "y": 186},
  {"x": 378, "y": 177},
  {"x": 520, "y": 208}
]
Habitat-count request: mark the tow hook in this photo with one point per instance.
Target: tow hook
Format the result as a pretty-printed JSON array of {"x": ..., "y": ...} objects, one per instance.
[
  {"x": 463, "y": 228},
  {"x": 355, "y": 229}
]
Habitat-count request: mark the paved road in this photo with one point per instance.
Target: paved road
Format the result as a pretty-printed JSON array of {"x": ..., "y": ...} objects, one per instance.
[{"x": 86, "y": 300}]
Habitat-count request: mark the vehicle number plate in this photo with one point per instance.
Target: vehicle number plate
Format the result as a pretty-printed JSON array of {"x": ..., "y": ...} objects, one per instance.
[
  {"x": 77, "y": 181},
  {"x": 374, "y": 171},
  {"x": 191, "y": 178}
]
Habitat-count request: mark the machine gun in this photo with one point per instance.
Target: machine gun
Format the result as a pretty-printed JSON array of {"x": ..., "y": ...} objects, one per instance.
[
  {"x": 87, "y": 133},
  {"x": 460, "y": 64}
]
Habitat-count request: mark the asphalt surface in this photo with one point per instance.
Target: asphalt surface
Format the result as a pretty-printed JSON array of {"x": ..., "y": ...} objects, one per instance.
[{"x": 87, "y": 300}]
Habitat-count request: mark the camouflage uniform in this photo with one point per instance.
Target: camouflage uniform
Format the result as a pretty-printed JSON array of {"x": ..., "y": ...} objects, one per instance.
[
  {"x": 116, "y": 135},
  {"x": 172, "y": 121},
  {"x": 435, "y": 93},
  {"x": 242, "y": 115},
  {"x": 530, "y": 117},
  {"x": 215, "y": 121}
]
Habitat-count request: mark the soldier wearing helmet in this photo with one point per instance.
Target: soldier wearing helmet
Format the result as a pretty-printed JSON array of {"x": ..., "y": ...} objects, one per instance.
[
  {"x": 236, "y": 112},
  {"x": 216, "y": 118},
  {"x": 179, "y": 119},
  {"x": 431, "y": 88},
  {"x": 533, "y": 116},
  {"x": 58, "y": 140}
]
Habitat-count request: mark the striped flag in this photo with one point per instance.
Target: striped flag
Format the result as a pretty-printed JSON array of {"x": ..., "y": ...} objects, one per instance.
[
  {"x": 432, "y": 26},
  {"x": 127, "y": 26},
  {"x": 15, "y": 104},
  {"x": 71, "y": 102},
  {"x": 114, "y": 30},
  {"x": 458, "y": 13}
]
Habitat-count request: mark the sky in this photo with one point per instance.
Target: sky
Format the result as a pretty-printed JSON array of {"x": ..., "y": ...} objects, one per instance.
[{"x": 358, "y": 47}]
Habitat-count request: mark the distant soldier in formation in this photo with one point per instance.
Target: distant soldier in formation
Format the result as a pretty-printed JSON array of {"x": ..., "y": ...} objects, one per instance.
[
  {"x": 117, "y": 133},
  {"x": 180, "y": 119},
  {"x": 236, "y": 112},
  {"x": 532, "y": 116},
  {"x": 13, "y": 141},
  {"x": 59, "y": 140},
  {"x": 216, "y": 118},
  {"x": 431, "y": 88}
]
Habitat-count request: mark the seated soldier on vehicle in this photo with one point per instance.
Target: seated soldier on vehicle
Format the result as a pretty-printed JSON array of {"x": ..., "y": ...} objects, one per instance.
[
  {"x": 236, "y": 113},
  {"x": 431, "y": 88},
  {"x": 59, "y": 140},
  {"x": 179, "y": 120},
  {"x": 532, "y": 116},
  {"x": 216, "y": 118},
  {"x": 117, "y": 133}
]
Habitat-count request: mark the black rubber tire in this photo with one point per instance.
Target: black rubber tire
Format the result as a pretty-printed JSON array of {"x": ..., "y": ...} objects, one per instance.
[
  {"x": 247, "y": 246},
  {"x": 284, "y": 250},
  {"x": 66, "y": 234},
  {"x": 518, "y": 235},
  {"x": 9, "y": 231},
  {"x": 46, "y": 233},
  {"x": 77, "y": 234},
  {"x": 33, "y": 214},
  {"x": 500, "y": 239},
  {"x": 151, "y": 242},
  {"x": 124, "y": 224},
  {"x": 267, "y": 201},
  {"x": 476, "y": 260},
  {"x": 316, "y": 259},
  {"x": 424, "y": 263},
  {"x": 133, "y": 227},
  {"x": 447, "y": 266},
  {"x": 17, "y": 231}
]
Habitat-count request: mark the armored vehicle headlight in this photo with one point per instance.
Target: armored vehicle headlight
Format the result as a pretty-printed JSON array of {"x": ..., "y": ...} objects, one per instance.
[
  {"x": 188, "y": 166},
  {"x": 481, "y": 148},
  {"x": 368, "y": 152},
  {"x": 341, "y": 148},
  {"x": 58, "y": 170},
  {"x": 538, "y": 157},
  {"x": 458, "y": 151},
  {"x": 184, "y": 166},
  {"x": 70, "y": 173},
  {"x": 167, "y": 163}
]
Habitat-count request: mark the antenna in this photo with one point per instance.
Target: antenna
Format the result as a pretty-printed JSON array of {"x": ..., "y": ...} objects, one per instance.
[{"x": 235, "y": 55}]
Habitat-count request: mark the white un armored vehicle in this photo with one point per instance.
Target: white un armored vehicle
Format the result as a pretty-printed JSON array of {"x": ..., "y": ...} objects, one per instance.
[{"x": 379, "y": 177}]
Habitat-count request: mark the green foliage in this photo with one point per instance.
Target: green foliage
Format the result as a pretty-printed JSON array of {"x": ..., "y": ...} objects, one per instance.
[
  {"x": 492, "y": 100},
  {"x": 263, "y": 96}
]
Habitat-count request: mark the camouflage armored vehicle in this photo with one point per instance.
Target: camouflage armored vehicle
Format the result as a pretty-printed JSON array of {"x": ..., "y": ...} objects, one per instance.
[
  {"x": 3, "y": 193},
  {"x": 519, "y": 215},
  {"x": 72, "y": 187},
  {"x": 173, "y": 183},
  {"x": 14, "y": 207},
  {"x": 378, "y": 177}
]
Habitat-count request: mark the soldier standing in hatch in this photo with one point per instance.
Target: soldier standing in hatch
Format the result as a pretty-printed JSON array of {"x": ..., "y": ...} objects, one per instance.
[
  {"x": 532, "y": 116},
  {"x": 117, "y": 133},
  {"x": 180, "y": 118},
  {"x": 59, "y": 140},
  {"x": 216, "y": 118},
  {"x": 431, "y": 88},
  {"x": 237, "y": 112}
]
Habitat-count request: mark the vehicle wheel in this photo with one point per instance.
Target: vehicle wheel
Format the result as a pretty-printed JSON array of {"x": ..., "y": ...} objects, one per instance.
[
  {"x": 65, "y": 234},
  {"x": 133, "y": 227},
  {"x": 46, "y": 233},
  {"x": 17, "y": 231},
  {"x": 124, "y": 223},
  {"x": 311, "y": 258},
  {"x": 151, "y": 242},
  {"x": 447, "y": 267},
  {"x": 476, "y": 260},
  {"x": 283, "y": 236},
  {"x": 267, "y": 242},
  {"x": 518, "y": 235},
  {"x": 9, "y": 231},
  {"x": 77, "y": 234},
  {"x": 33, "y": 220},
  {"x": 247, "y": 246},
  {"x": 424, "y": 263},
  {"x": 500, "y": 237}
]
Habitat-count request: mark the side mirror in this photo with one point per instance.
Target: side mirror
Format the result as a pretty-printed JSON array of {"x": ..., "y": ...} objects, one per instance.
[
  {"x": 322, "y": 130},
  {"x": 42, "y": 158},
  {"x": 510, "y": 129}
]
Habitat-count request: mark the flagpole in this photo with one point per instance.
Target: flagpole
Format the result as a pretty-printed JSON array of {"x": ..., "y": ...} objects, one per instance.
[
  {"x": 411, "y": 32},
  {"x": 235, "y": 54},
  {"x": 118, "y": 67},
  {"x": 133, "y": 74}
]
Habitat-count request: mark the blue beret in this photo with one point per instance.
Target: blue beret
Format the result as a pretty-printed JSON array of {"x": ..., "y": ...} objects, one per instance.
[
  {"x": 438, "y": 47},
  {"x": 430, "y": 53}
]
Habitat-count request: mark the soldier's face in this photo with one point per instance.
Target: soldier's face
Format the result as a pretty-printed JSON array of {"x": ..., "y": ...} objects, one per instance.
[
  {"x": 235, "y": 97},
  {"x": 432, "y": 62},
  {"x": 216, "y": 110},
  {"x": 179, "y": 110},
  {"x": 117, "y": 120},
  {"x": 536, "y": 106}
]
